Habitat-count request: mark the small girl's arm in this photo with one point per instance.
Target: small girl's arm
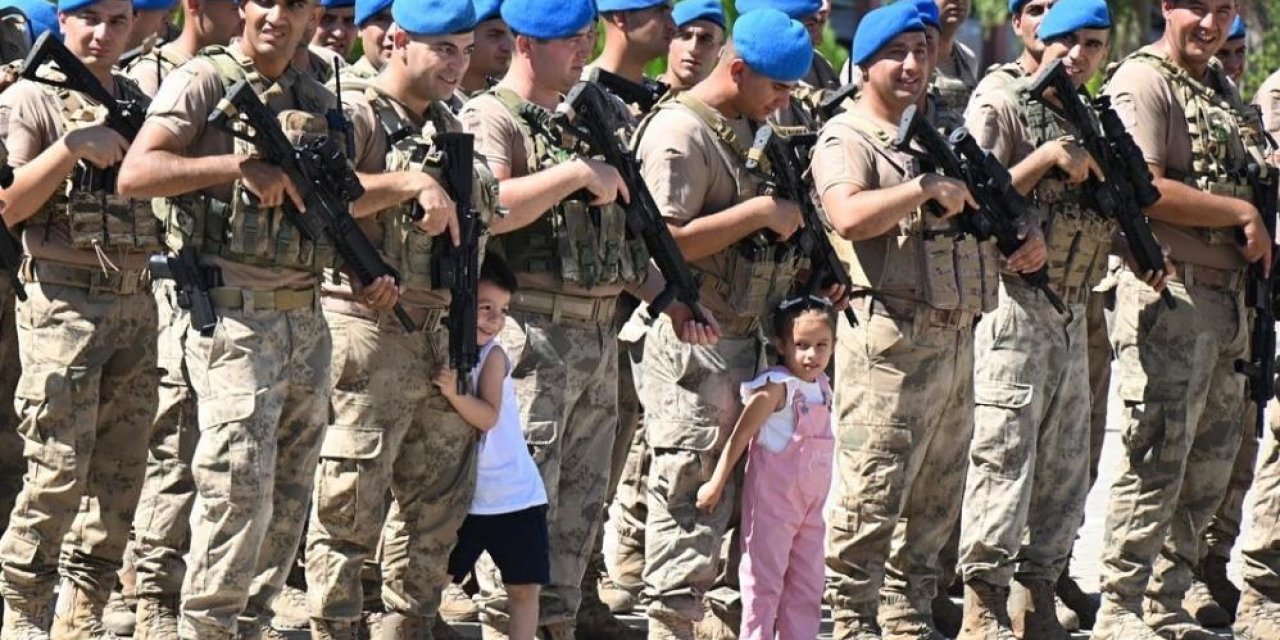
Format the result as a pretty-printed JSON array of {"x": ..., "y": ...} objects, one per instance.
[
  {"x": 764, "y": 401},
  {"x": 480, "y": 410}
]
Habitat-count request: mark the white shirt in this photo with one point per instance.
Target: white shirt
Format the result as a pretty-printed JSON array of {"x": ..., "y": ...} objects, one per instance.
[
  {"x": 507, "y": 480},
  {"x": 778, "y": 428}
]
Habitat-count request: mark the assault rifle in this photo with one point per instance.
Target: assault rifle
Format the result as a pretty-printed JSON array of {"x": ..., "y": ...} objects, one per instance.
[
  {"x": 788, "y": 155},
  {"x": 1260, "y": 295},
  {"x": 643, "y": 95},
  {"x": 1003, "y": 212},
  {"x": 321, "y": 173},
  {"x": 124, "y": 113},
  {"x": 1129, "y": 188},
  {"x": 457, "y": 268},
  {"x": 190, "y": 283},
  {"x": 833, "y": 103},
  {"x": 10, "y": 248},
  {"x": 585, "y": 112}
]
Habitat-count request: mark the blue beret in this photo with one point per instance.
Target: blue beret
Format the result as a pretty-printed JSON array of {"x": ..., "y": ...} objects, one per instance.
[
  {"x": 154, "y": 5},
  {"x": 795, "y": 9},
  {"x": 1237, "y": 29},
  {"x": 548, "y": 19},
  {"x": 367, "y": 9},
  {"x": 434, "y": 17},
  {"x": 773, "y": 45},
  {"x": 486, "y": 9},
  {"x": 1016, "y": 5},
  {"x": 41, "y": 16},
  {"x": 1069, "y": 16},
  {"x": 929, "y": 14},
  {"x": 879, "y": 27},
  {"x": 690, "y": 10},
  {"x": 627, "y": 5},
  {"x": 335, "y": 4}
]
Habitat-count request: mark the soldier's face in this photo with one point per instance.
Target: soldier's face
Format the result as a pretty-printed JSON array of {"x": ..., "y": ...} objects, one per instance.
[
  {"x": 336, "y": 30},
  {"x": 492, "y": 304},
  {"x": 558, "y": 63},
  {"x": 899, "y": 71},
  {"x": 493, "y": 47},
  {"x": 145, "y": 25},
  {"x": 953, "y": 12},
  {"x": 435, "y": 63},
  {"x": 1083, "y": 53},
  {"x": 1027, "y": 21},
  {"x": 1232, "y": 55},
  {"x": 693, "y": 52},
  {"x": 650, "y": 30},
  {"x": 220, "y": 20},
  {"x": 1198, "y": 28},
  {"x": 373, "y": 39},
  {"x": 98, "y": 33},
  {"x": 758, "y": 95},
  {"x": 817, "y": 22},
  {"x": 275, "y": 28}
]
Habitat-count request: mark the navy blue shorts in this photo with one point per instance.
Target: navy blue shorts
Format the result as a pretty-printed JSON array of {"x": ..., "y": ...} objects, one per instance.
[{"x": 516, "y": 541}]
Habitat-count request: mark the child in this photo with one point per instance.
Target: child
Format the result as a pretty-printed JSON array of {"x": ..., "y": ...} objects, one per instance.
[
  {"x": 508, "y": 516},
  {"x": 786, "y": 421}
]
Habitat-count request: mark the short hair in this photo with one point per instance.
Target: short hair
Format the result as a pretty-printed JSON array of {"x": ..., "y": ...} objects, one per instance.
[{"x": 496, "y": 272}]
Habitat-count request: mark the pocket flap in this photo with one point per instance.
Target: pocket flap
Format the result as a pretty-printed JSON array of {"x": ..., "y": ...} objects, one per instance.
[
  {"x": 1007, "y": 395},
  {"x": 224, "y": 409},
  {"x": 351, "y": 443}
]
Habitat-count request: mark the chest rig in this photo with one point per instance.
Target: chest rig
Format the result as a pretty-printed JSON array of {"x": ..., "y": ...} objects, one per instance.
[
  {"x": 410, "y": 148},
  {"x": 950, "y": 94},
  {"x": 583, "y": 245}
]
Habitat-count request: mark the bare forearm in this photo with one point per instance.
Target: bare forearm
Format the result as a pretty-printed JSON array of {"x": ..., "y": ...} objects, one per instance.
[
  {"x": 383, "y": 190},
  {"x": 708, "y": 235},
  {"x": 528, "y": 197},
  {"x": 35, "y": 182},
  {"x": 1028, "y": 173},
  {"x": 870, "y": 214},
  {"x": 475, "y": 411},
  {"x": 162, "y": 174},
  {"x": 1184, "y": 205}
]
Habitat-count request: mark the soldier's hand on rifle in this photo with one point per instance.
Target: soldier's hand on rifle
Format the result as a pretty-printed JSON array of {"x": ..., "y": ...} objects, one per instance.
[
  {"x": 1031, "y": 255},
  {"x": 1157, "y": 279},
  {"x": 604, "y": 182},
  {"x": 838, "y": 295},
  {"x": 782, "y": 217},
  {"x": 269, "y": 184},
  {"x": 1075, "y": 162},
  {"x": 439, "y": 210},
  {"x": 689, "y": 330},
  {"x": 951, "y": 195},
  {"x": 98, "y": 145},
  {"x": 1257, "y": 242},
  {"x": 382, "y": 293}
]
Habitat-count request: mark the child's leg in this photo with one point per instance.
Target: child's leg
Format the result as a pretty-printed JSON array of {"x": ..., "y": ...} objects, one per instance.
[
  {"x": 800, "y": 608},
  {"x": 767, "y": 532},
  {"x": 522, "y": 607}
]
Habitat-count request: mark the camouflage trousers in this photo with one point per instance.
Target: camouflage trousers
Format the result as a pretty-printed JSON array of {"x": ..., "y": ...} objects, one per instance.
[
  {"x": 393, "y": 431},
  {"x": 1096, "y": 311},
  {"x": 11, "y": 465},
  {"x": 1181, "y": 431},
  {"x": 161, "y": 525},
  {"x": 1028, "y": 477},
  {"x": 87, "y": 390},
  {"x": 691, "y": 402},
  {"x": 1225, "y": 526},
  {"x": 1260, "y": 546},
  {"x": 624, "y": 529},
  {"x": 566, "y": 380},
  {"x": 262, "y": 379},
  {"x": 904, "y": 419}
]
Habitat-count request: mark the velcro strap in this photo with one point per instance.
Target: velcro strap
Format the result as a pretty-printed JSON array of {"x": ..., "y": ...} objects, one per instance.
[
  {"x": 566, "y": 308},
  {"x": 251, "y": 300},
  {"x": 126, "y": 282}
]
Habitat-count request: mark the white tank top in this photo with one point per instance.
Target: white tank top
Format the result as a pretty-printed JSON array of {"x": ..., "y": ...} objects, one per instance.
[
  {"x": 507, "y": 480},
  {"x": 778, "y": 428}
]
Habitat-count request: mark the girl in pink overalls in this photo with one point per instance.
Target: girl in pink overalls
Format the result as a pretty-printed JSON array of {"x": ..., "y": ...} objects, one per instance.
[{"x": 786, "y": 424}]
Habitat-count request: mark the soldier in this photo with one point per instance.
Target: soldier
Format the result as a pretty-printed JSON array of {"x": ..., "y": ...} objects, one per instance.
[
  {"x": 1025, "y": 17},
  {"x": 391, "y": 427},
  {"x": 262, "y": 376},
  {"x": 373, "y": 19},
  {"x": 86, "y": 338},
  {"x": 151, "y": 24},
  {"x": 1182, "y": 398},
  {"x": 336, "y": 29},
  {"x": 956, "y": 74},
  {"x": 802, "y": 110},
  {"x": 493, "y": 47},
  {"x": 636, "y": 32},
  {"x": 1234, "y": 55},
  {"x": 570, "y": 276},
  {"x": 693, "y": 153},
  {"x": 700, "y": 34},
  {"x": 905, "y": 406}
]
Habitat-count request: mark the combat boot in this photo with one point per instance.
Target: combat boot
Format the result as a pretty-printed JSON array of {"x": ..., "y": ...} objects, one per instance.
[
  {"x": 556, "y": 631},
  {"x": 1032, "y": 613},
  {"x": 597, "y": 622},
  {"x": 118, "y": 617},
  {"x": 1258, "y": 618},
  {"x": 26, "y": 620},
  {"x": 1213, "y": 570},
  {"x": 614, "y": 596},
  {"x": 78, "y": 614},
  {"x": 1118, "y": 622},
  {"x": 157, "y": 619},
  {"x": 289, "y": 609},
  {"x": 986, "y": 614},
  {"x": 333, "y": 630},
  {"x": 1084, "y": 606},
  {"x": 902, "y": 619},
  {"x": 457, "y": 606},
  {"x": 1172, "y": 622},
  {"x": 1201, "y": 605},
  {"x": 947, "y": 617},
  {"x": 1066, "y": 617},
  {"x": 669, "y": 626}
]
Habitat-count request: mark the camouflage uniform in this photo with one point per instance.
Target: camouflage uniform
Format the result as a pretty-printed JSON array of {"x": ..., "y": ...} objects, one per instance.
[
  {"x": 1182, "y": 397},
  {"x": 86, "y": 341},
  {"x": 952, "y": 85},
  {"x": 260, "y": 417},
  {"x": 11, "y": 466},
  {"x": 904, "y": 409}
]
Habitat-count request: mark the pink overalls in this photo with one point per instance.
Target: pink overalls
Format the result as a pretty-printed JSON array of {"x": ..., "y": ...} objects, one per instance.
[{"x": 782, "y": 527}]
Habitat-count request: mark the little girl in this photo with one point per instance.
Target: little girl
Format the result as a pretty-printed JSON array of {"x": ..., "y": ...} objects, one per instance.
[{"x": 786, "y": 422}]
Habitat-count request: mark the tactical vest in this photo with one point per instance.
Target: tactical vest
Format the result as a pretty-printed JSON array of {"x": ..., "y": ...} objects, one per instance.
[
  {"x": 951, "y": 94},
  {"x": 758, "y": 273},
  {"x": 1078, "y": 238},
  {"x": 405, "y": 246},
  {"x": 240, "y": 230},
  {"x": 584, "y": 245},
  {"x": 98, "y": 218},
  {"x": 164, "y": 61},
  {"x": 1225, "y": 133},
  {"x": 927, "y": 259}
]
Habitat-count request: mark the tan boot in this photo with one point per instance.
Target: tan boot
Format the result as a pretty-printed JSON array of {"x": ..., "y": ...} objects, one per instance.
[
  {"x": 1258, "y": 618},
  {"x": 118, "y": 616},
  {"x": 618, "y": 599},
  {"x": 457, "y": 606},
  {"x": 78, "y": 614},
  {"x": 157, "y": 619},
  {"x": 556, "y": 631},
  {"x": 596, "y": 622},
  {"x": 669, "y": 627},
  {"x": 25, "y": 621},
  {"x": 1121, "y": 622},
  {"x": 1200, "y": 604},
  {"x": 986, "y": 615},
  {"x": 1172, "y": 622},
  {"x": 1032, "y": 611},
  {"x": 1068, "y": 618},
  {"x": 334, "y": 630},
  {"x": 855, "y": 622},
  {"x": 902, "y": 619},
  {"x": 289, "y": 609},
  {"x": 717, "y": 625}
]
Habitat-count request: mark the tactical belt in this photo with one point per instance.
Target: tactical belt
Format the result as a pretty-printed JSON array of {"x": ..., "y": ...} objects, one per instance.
[
  {"x": 898, "y": 309},
  {"x": 95, "y": 280},
  {"x": 566, "y": 309},
  {"x": 428, "y": 320},
  {"x": 251, "y": 300},
  {"x": 1195, "y": 275}
]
